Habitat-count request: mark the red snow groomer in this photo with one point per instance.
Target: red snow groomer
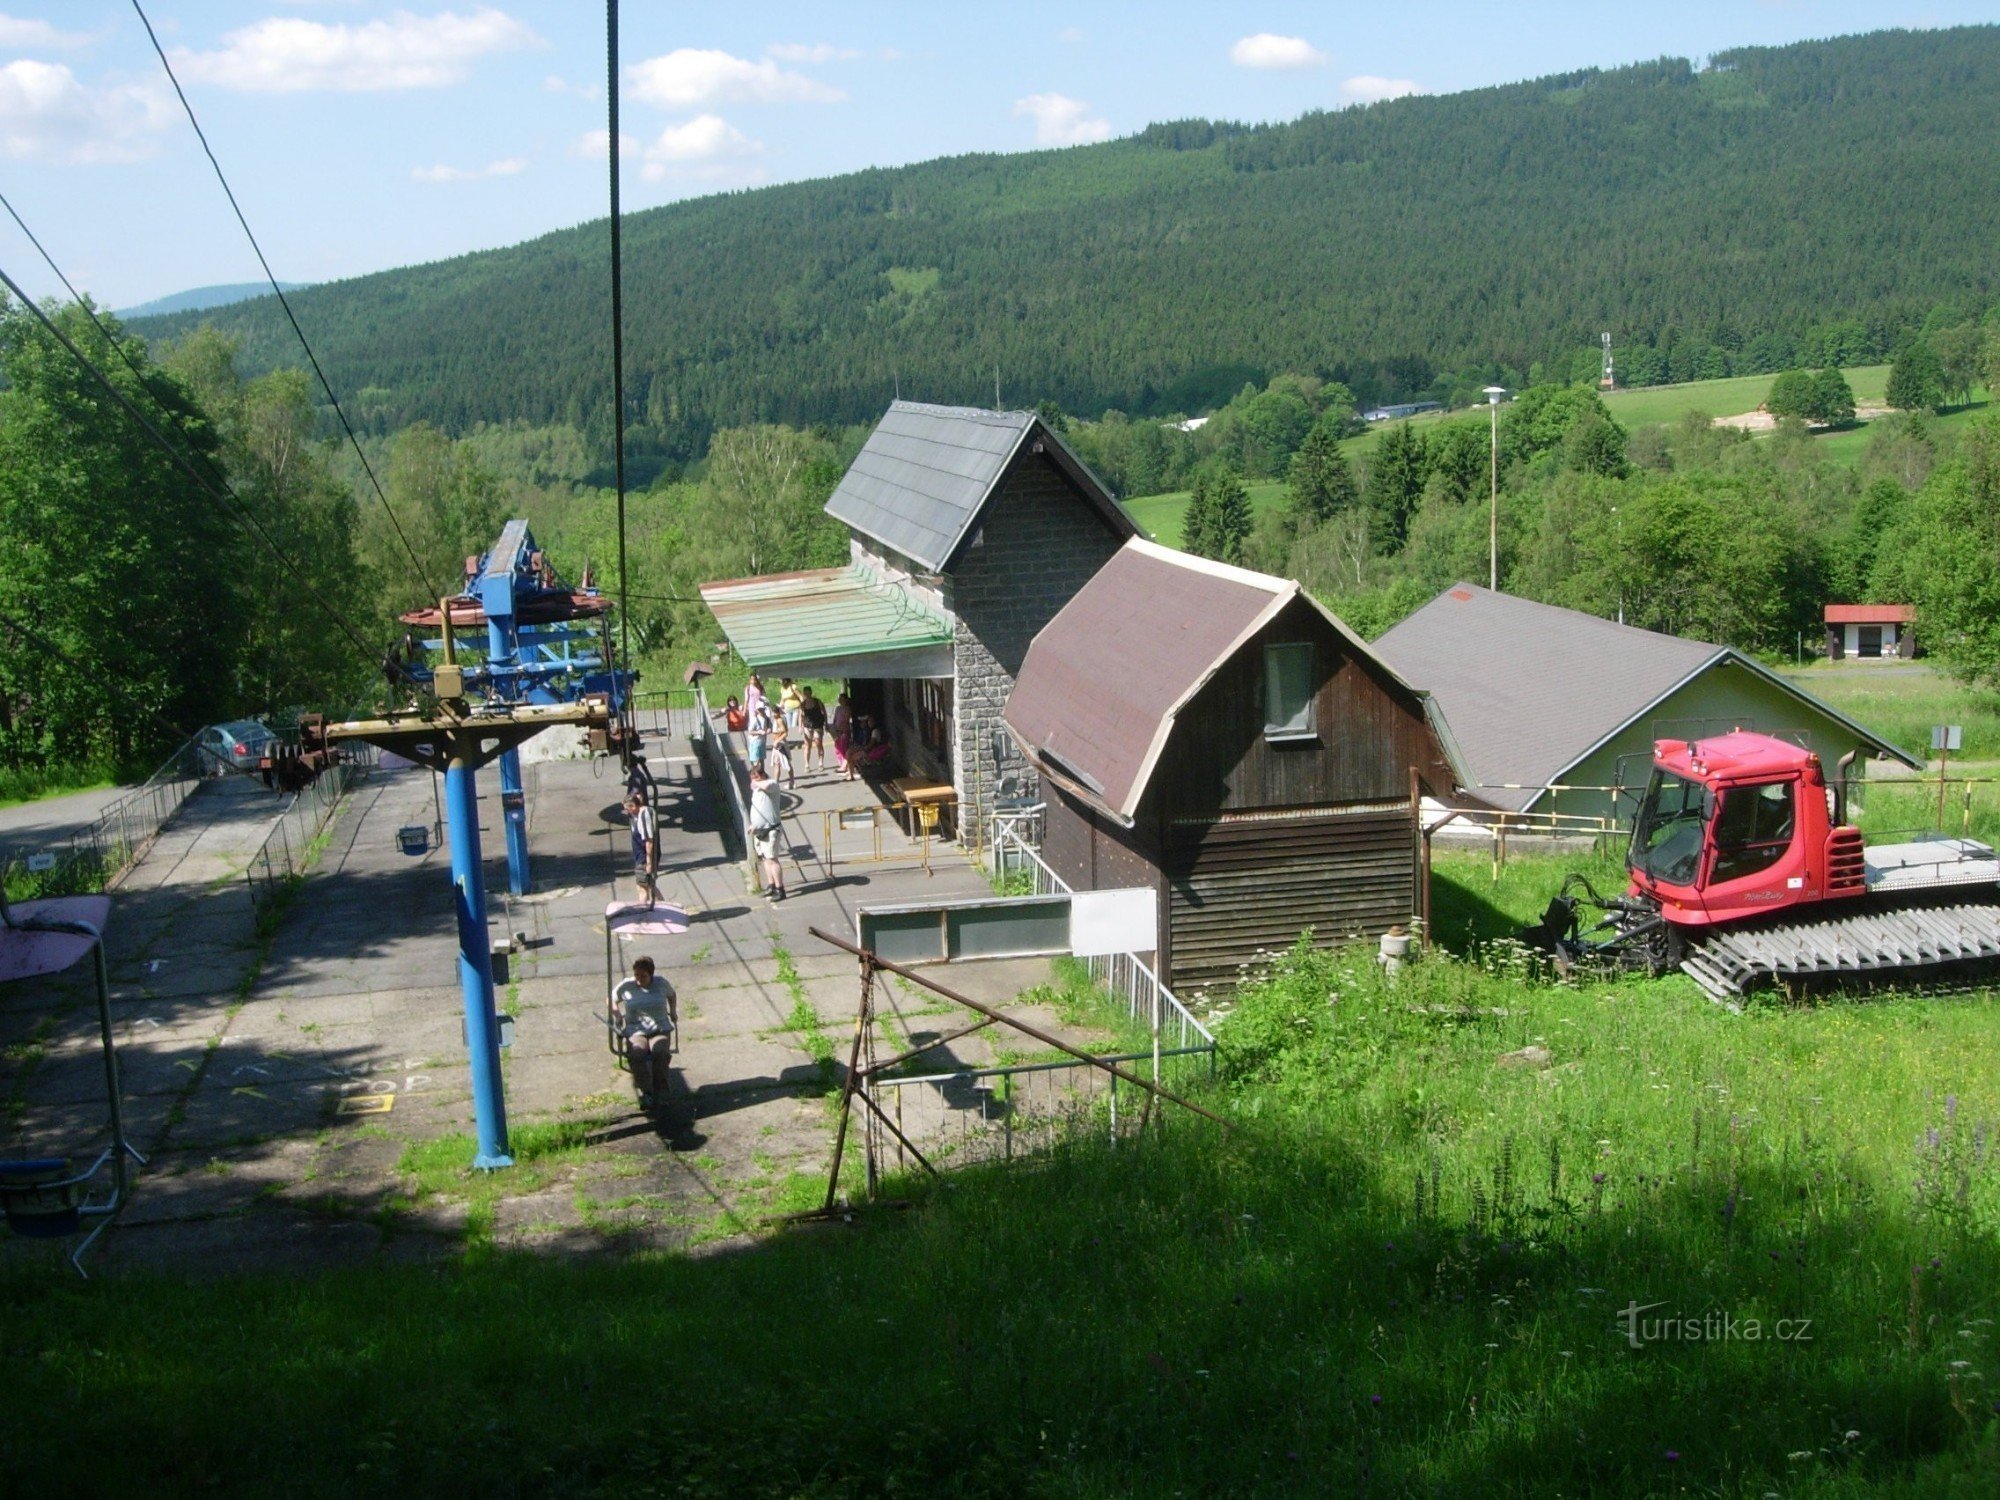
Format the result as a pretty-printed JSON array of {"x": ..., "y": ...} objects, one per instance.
[{"x": 1745, "y": 873}]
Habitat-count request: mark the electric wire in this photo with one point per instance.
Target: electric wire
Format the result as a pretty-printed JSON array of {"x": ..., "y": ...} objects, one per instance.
[
  {"x": 225, "y": 496},
  {"x": 428, "y": 593},
  {"x": 91, "y": 313},
  {"x": 617, "y": 323}
]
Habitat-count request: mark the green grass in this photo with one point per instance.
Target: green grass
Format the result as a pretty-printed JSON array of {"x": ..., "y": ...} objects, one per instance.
[
  {"x": 1400, "y": 1273},
  {"x": 24, "y": 786},
  {"x": 1901, "y": 701},
  {"x": 1849, "y": 443},
  {"x": 1160, "y": 515},
  {"x": 1643, "y": 406}
]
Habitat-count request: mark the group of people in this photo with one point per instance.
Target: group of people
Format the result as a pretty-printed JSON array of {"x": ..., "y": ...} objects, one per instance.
[{"x": 801, "y": 718}]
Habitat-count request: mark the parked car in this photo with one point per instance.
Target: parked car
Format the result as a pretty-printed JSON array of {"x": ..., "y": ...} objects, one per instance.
[{"x": 237, "y": 746}]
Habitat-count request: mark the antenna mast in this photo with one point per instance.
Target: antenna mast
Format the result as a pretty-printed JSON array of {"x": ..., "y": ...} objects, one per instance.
[{"x": 1605, "y": 381}]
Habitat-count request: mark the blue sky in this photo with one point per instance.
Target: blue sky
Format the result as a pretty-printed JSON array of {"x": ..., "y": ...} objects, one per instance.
[{"x": 361, "y": 135}]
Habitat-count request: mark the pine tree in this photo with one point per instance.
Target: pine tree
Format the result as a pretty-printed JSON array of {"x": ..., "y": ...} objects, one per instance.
[
  {"x": 1396, "y": 478},
  {"x": 1916, "y": 378},
  {"x": 1321, "y": 484},
  {"x": 1217, "y": 522}
]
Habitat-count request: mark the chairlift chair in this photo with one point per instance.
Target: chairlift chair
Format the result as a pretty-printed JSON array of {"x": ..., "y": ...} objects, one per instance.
[{"x": 43, "y": 1197}]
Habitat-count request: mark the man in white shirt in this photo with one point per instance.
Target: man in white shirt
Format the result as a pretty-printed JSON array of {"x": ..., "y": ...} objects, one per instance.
[
  {"x": 767, "y": 832},
  {"x": 646, "y": 1012}
]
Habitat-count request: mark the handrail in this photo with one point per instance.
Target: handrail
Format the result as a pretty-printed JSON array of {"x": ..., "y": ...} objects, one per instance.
[
  {"x": 709, "y": 743},
  {"x": 1140, "y": 979}
]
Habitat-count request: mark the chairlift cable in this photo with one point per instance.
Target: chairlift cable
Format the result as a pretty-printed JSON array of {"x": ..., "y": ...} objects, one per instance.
[
  {"x": 226, "y": 496},
  {"x": 429, "y": 593},
  {"x": 89, "y": 311},
  {"x": 617, "y": 325}
]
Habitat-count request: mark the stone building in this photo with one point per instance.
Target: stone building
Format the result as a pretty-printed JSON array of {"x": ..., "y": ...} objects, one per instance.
[{"x": 969, "y": 530}]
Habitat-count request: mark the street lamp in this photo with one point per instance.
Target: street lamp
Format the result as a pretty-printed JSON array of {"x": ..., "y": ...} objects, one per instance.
[{"x": 1493, "y": 395}]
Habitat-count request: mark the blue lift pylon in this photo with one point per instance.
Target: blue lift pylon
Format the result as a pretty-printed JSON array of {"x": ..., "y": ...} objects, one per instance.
[
  {"x": 545, "y": 663},
  {"x": 457, "y": 738}
]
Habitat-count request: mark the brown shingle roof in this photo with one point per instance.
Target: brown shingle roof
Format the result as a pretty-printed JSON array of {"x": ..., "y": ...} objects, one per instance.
[{"x": 1103, "y": 682}]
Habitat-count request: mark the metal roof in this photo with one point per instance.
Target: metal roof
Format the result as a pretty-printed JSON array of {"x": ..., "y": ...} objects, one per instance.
[
  {"x": 1870, "y": 614},
  {"x": 787, "y": 619},
  {"x": 1106, "y": 679},
  {"x": 920, "y": 481},
  {"x": 1531, "y": 689}
]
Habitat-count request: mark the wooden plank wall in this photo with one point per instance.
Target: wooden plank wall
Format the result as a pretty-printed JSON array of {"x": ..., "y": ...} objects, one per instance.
[{"x": 1240, "y": 890}]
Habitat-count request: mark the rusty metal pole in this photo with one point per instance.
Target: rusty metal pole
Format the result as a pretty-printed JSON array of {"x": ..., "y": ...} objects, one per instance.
[
  {"x": 1047, "y": 1039},
  {"x": 847, "y": 1088}
]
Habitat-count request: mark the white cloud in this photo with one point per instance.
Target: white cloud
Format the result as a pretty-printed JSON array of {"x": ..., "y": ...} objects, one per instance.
[
  {"x": 1265, "y": 50},
  {"x": 399, "y": 51},
  {"x": 695, "y": 77},
  {"x": 1368, "y": 88},
  {"x": 23, "y": 34},
  {"x": 813, "y": 52},
  {"x": 1062, "y": 121},
  {"x": 1070, "y": 34},
  {"x": 48, "y": 114},
  {"x": 704, "y": 138},
  {"x": 597, "y": 143},
  {"x": 512, "y": 166},
  {"x": 555, "y": 83}
]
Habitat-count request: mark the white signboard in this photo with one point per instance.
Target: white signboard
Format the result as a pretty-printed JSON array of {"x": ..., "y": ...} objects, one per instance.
[
  {"x": 1105, "y": 922},
  {"x": 40, "y": 862}
]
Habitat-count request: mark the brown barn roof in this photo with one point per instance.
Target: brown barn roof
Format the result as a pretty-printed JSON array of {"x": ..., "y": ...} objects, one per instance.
[{"x": 1103, "y": 682}]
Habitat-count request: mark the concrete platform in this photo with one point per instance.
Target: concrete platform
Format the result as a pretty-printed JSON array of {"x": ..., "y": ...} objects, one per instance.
[{"x": 284, "y": 1082}]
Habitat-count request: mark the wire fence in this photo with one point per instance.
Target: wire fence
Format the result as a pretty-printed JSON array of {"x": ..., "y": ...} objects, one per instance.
[
  {"x": 1013, "y": 1110},
  {"x": 714, "y": 756},
  {"x": 290, "y": 847},
  {"x": 90, "y": 857}
]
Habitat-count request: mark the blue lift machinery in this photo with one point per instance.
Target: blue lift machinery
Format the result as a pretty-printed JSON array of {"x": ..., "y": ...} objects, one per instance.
[
  {"x": 546, "y": 663},
  {"x": 545, "y": 644}
]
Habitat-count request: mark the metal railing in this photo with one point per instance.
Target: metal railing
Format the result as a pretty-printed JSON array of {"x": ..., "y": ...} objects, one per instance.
[
  {"x": 714, "y": 753},
  {"x": 999, "y": 1112},
  {"x": 834, "y": 821},
  {"x": 1128, "y": 977},
  {"x": 91, "y": 857},
  {"x": 671, "y": 713},
  {"x": 288, "y": 849}
]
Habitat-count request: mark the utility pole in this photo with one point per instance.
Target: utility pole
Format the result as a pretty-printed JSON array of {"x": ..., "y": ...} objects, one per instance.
[{"x": 1493, "y": 394}]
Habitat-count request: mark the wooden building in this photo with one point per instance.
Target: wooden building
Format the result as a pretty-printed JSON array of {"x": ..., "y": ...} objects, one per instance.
[{"x": 1218, "y": 735}]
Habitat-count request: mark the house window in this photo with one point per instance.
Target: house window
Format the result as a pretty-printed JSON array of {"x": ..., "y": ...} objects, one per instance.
[{"x": 1288, "y": 691}]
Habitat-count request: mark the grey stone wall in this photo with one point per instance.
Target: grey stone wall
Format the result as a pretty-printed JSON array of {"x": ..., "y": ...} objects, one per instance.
[{"x": 1039, "y": 544}]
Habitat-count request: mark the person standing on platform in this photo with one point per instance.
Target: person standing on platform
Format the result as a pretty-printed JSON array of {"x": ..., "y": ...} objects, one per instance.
[
  {"x": 767, "y": 832},
  {"x": 645, "y": 848},
  {"x": 812, "y": 718}
]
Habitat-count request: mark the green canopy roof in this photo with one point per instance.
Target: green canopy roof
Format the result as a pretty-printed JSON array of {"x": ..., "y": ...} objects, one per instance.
[{"x": 831, "y": 622}]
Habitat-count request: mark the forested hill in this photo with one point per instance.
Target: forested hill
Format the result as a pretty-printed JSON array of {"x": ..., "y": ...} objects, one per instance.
[{"x": 1779, "y": 205}]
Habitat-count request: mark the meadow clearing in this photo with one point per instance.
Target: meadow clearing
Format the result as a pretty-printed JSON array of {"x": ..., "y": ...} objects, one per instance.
[{"x": 1682, "y": 1252}]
